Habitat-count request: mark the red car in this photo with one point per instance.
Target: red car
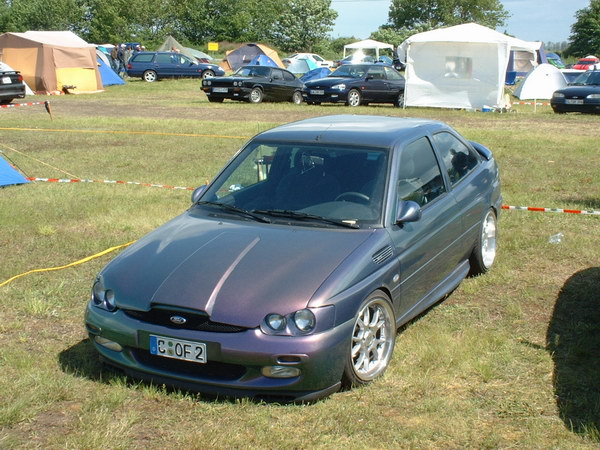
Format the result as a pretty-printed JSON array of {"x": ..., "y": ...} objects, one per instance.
[{"x": 586, "y": 63}]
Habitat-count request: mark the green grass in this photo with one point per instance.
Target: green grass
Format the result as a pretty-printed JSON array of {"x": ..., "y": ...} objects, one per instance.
[{"x": 510, "y": 359}]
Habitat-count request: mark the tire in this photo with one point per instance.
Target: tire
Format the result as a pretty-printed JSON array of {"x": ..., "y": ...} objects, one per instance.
[
  {"x": 354, "y": 98},
  {"x": 399, "y": 103},
  {"x": 297, "y": 98},
  {"x": 256, "y": 95},
  {"x": 372, "y": 343},
  {"x": 215, "y": 100},
  {"x": 208, "y": 74},
  {"x": 150, "y": 76},
  {"x": 484, "y": 253}
]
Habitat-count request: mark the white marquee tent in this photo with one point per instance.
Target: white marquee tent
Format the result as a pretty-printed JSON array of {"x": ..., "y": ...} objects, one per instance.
[
  {"x": 458, "y": 67},
  {"x": 368, "y": 44}
]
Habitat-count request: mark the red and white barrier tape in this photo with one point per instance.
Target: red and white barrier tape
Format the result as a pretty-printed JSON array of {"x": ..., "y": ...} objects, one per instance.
[
  {"x": 532, "y": 103},
  {"x": 16, "y": 105},
  {"x": 553, "y": 210},
  {"x": 68, "y": 180}
]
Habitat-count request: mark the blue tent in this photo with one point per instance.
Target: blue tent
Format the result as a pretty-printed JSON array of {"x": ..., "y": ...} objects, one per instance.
[
  {"x": 262, "y": 60},
  {"x": 109, "y": 77},
  {"x": 9, "y": 175},
  {"x": 314, "y": 74},
  {"x": 302, "y": 66}
]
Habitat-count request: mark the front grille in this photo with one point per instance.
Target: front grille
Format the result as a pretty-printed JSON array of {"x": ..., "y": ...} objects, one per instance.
[
  {"x": 194, "y": 320},
  {"x": 213, "y": 369}
]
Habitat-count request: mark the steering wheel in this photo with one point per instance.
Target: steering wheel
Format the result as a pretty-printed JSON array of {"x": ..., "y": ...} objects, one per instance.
[{"x": 358, "y": 197}]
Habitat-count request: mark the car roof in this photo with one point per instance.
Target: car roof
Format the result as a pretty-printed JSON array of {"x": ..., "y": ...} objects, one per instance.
[{"x": 354, "y": 130}]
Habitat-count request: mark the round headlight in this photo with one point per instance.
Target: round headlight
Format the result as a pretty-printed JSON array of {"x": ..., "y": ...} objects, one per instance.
[
  {"x": 109, "y": 297},
  {"x": 304, "y": 320},
  {"x": 276, "y": 322},
  {"x": 98, "y": 292}
]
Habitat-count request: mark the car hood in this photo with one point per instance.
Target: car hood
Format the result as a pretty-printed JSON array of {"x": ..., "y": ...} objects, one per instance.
[
  {"x": 329, "y": 81},
  {"x": 580, "y": 91},
  {"x": 236, "y": 271}
]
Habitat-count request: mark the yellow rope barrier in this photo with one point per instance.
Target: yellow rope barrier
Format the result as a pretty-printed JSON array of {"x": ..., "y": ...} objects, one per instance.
[
  {"x": 156, "y": 133},
  {"x": 37, "y": 160},
  {"x": 81, "y": 261}
]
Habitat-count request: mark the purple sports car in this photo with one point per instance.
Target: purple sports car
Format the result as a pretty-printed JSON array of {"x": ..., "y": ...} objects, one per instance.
[{"x": 290, "y": 273}]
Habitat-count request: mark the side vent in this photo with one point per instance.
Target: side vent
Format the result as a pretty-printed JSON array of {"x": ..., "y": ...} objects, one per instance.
[{"x": 383, "y": 254}]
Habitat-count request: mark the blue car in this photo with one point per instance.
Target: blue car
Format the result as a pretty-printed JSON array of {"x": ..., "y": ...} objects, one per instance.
[
  {"x": 290, "y": 273},
  {"x": 152, "y": 66},
  {"x": 357, "y": 84}
]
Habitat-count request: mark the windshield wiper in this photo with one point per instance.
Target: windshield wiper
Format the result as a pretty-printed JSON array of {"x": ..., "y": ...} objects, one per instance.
[
  {"x": 305, "y": 216},
  {"x": 235, "y": 209}
]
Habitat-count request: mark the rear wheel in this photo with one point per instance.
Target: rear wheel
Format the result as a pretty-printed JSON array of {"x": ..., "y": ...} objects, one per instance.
[
  {"x": 372, "y": 341},
  {"x": 484, "y": 253},
  {"x": 297, "y": 97},
  {"x": 354, "y": 98},
  {"x": 256, "y": 95},
  {"x": 208, "y": 74},
  {"x": 150, "y": 76},
  {"x": 399, "y": 100}
]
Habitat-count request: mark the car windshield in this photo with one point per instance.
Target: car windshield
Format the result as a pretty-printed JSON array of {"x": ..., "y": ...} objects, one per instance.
[
  {"x": 349, "y": 71},
  {"x": 588, "y": 78},
  {"x": 302, "y": 183},
  {"x": 252, "y": 71}
]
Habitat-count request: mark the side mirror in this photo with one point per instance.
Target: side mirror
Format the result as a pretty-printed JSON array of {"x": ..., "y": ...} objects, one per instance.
[
  {"x": 408, "y": 211},
  {"x": 198, "y": 193}
]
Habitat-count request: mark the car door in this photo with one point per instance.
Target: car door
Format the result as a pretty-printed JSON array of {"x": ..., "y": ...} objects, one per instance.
[
  {"x": 164, "y": 65},
  {"x": 278, "y": 88},
  {"x": 375, "y": 86},
  {"x": 184, "y": 66},
  {"x": 394, "y": 83},
  {"x": 428, "y": 248}
]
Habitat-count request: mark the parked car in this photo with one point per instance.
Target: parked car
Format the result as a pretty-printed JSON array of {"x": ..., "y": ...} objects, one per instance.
[
  {"x": 355, "y": 58},
  {"x": 357, "y": 84},
  {"x": 582, "y": 95},
  {"x": 586, "y": 63},
  {"x": 11, "y": 85},
  {"x": 318, "y": 60},
  {"x": 152, "y": 66},
  {"x": 290, "y": 273},
  {"x": 255, "y": 84}
]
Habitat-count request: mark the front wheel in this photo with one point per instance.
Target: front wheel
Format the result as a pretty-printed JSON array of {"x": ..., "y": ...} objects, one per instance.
[
  {"x": 399, "y": 103},
  {"x": 150, "y": 76},
  {"x": 484, "y": 253},
  {"x": 372, "y": 341},
  {"x": 297, "y": 97},
  {"x": 207, "y": 74},
  {"x": 256, "y": 95},
  {"x": 353, "y": 98}
]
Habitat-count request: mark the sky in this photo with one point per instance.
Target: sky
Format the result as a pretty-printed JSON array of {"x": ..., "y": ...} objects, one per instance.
[{"x": 531, "y": 20}]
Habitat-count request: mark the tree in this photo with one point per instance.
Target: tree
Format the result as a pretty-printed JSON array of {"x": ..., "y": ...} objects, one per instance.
[
  {"x": 303, "y": 24},
  {"x": 430, "y": 14},
  {"x": 24, "y": 15},
  {"x": 585, "y": 32}
]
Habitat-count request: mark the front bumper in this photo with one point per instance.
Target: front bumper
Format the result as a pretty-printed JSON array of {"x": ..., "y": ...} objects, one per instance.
[
  {"x": 588, "y": 106},
  {"x": 233, "y": 92},
  {"x": 326, "y": 97},
  {"x": 235, "y": 360}
]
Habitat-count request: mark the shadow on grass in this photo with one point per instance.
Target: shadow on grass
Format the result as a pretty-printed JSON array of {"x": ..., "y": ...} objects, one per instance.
[
  {"x": 573, "y": 339},
  {"x": 586, "y": 203}
]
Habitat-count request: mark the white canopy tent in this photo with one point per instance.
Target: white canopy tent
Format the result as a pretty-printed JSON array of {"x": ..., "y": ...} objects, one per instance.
[
  {"x": 368, "y": 44},
  {"x": 458, "y": 67}
]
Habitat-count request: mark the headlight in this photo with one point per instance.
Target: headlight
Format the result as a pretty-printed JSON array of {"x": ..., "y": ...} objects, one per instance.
[
  {"x": 304, "y": 320},
  {"x": 276, "y": 322},
  {"x": 558, "y": 95},
  {"x": 102, "y": 297},
  {"x": 339, "y": 87},
  {"x": 208, "y": 83},
  {"x": 595, "y": 96}
]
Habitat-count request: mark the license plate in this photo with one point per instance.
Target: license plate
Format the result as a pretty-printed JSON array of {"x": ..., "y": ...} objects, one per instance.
[
  {"x": 6, "y": 80},
  {"x": 574, "y": 102},
  {"x": 220, "y": 89},
  {"x": 178, "y": 349},
  {"x": 317, "y": 92}
]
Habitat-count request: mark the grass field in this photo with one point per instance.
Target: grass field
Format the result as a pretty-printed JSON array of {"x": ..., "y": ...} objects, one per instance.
[{"x": 511, "y": 359}]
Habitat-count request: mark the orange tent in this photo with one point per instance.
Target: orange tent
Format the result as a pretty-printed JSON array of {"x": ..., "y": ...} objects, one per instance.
[
  {"x": 246, "y": 53},
  {"x": 52, "y": 61}
]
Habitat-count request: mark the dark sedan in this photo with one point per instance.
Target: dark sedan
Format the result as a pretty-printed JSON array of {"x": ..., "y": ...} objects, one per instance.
[
  {"x": 255, "y": 84},
  {"x": 290, "y": 273},
  {"x": 11, "y": 85},
  {"x": 152, "y": 66},
  {"x": 357, "y": 84},
  {"x": 583, "y": 95}
]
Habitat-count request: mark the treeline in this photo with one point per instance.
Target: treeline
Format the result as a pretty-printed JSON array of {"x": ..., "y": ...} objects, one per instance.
[{"x": 299, "y": 25}]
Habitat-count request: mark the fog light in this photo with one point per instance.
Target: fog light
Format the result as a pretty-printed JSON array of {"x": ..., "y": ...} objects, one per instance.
[
  {"x": 280, "y": 372},
  {"x": 111, "y": 345}
]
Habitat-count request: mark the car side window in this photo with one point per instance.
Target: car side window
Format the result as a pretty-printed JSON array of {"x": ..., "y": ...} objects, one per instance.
[
  {"x": 391, "y": 74},
  {"x": 419, "y": 175},
  {"x": 164, "y": 58},
  {"x": 277, "y": 75},
  {"x": 376, "y": 72},
  {"x": 458, "y": 159},
  {"x": 287, "y": 76}
]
